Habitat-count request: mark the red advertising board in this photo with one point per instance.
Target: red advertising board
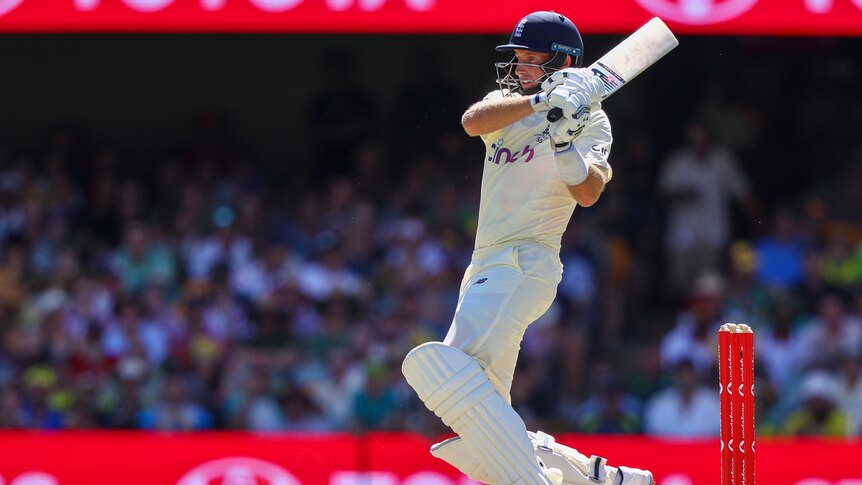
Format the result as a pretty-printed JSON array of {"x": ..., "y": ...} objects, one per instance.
[
  {"x": 753, "y": 17},
  {"x": 129, "y": 458}
]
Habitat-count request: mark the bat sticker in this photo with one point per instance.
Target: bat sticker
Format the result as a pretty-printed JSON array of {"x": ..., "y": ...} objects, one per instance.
[{"x": 610, "y": 79}]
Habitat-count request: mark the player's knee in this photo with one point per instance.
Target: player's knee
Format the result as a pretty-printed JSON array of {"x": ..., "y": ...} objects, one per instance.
[
  {"x": 407, "y": 362},
  {"x": 421, "y": 352},
  {"x": 448, "y": 381}
]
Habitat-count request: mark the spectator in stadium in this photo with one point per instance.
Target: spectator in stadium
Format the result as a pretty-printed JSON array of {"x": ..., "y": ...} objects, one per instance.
[
  {"x": 175, "y": 411},
  {"x": 829, "y": 334},
  {"x": 375, "y": 407},
  {"x": 777, "y": 349},
  {"x": 781, "y": 253},
  {"x": 700, "y": 182},
  {"x": 141, "y": 260},
  {"x": 610, "y": 410},
  {"x": 687, "y": 409},
  {"x": 850, "y": 382},
  {"x": 747, "y": 299},
  {"x": 255, "y": 407},
  {"x": 693, "y": 336},
  {"x": 818, "y": 413},
  {"x": 12, "y": 414},
  {"x": 37, "y": 407},
  {"x": 839, "y": 266},
  {"x": 337, "y": 386},
  {"x": 302, "y": 414}
]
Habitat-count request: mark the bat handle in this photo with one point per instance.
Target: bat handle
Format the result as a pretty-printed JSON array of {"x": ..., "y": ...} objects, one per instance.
[{"x": 555, "y": 114}]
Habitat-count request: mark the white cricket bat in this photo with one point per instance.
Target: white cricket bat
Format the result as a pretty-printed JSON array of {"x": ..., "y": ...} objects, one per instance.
[{"x": 630, "y": 57}]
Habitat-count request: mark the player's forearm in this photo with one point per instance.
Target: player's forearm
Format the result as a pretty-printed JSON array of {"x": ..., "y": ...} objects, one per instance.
[
  {"x": 489, "y": 116},
  {"x": 588, "y": 192}
]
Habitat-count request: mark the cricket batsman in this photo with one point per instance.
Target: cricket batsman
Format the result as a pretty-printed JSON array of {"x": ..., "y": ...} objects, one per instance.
[{"x": 536, "y": 172}]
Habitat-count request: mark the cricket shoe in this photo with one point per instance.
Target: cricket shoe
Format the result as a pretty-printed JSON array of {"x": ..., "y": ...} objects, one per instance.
[{"x": 578, "y": 469}]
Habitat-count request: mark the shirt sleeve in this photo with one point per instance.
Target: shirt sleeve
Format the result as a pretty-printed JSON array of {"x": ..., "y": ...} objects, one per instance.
[
  {"x": 495, "y": 94},
  {"x": 594, "y": 144}
]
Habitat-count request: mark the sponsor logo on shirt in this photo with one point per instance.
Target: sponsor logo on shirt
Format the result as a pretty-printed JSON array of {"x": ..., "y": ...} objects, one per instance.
[{"x": 503, "y": 155}]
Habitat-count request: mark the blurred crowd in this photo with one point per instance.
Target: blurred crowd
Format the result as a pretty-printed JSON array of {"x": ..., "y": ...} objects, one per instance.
[{"x": 205, "y": 291}]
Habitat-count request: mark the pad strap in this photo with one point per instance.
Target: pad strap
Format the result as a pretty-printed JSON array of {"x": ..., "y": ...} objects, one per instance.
[{"x": 598, "y": 470}]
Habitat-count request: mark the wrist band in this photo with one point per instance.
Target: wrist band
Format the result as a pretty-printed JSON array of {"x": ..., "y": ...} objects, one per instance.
[
  {"x": 539, "y": 102},
  {"x": 571, "y": 165}
]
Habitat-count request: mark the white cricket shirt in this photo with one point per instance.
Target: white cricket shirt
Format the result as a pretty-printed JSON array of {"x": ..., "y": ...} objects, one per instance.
[{"x": 523, "y": 197}]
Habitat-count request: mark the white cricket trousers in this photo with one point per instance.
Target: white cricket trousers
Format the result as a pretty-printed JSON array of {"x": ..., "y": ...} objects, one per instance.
[{"x": 505, "y": 289}]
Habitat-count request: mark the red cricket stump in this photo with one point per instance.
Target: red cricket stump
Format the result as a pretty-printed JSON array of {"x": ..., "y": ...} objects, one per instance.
[
  {"x": 748, "y": 429},
  {"x": 724, "y": 403},
  {"x": 736, "y": 394}
]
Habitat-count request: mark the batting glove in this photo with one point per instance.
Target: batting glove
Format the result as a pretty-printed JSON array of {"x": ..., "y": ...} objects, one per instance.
[
  {"x": 562, "y": 133},
  {"x": 558, "y": 78},
  {"x": 572, "y": 124},
  {"x": 580, "y": 79},
  {"x": 562, "y": 96},
  {"x": 574, "y": 103}
]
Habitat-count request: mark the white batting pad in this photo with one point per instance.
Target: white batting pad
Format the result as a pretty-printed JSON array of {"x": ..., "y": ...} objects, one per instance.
[
  {"x": 576, "y": 468},
  {"x": 455, "y": 388},
  {"x": 454, "y": 452}
]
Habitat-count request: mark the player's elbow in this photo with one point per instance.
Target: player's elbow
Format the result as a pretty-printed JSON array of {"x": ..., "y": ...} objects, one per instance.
[
  {"x": 587, "y": 201},
  {"x": 585, "y": 194},
  {"x": 470, "y": 123}
]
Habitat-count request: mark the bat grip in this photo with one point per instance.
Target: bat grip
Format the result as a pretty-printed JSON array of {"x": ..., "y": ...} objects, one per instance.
[{"x": 555, "y": 114}]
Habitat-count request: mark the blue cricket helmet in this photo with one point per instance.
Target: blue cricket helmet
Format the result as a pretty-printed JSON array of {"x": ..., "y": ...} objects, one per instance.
[{"x": 547, "y": 32}]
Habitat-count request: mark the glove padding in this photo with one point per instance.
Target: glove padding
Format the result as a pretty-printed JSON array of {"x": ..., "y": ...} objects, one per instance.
[
  {"x": 572, "y": 90},
  {"x": 572, "y": 124},
  {"x": 572, "y": 101},
  {"x": 581, "y": 79},
  {"x": 562, "y": 132}
]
